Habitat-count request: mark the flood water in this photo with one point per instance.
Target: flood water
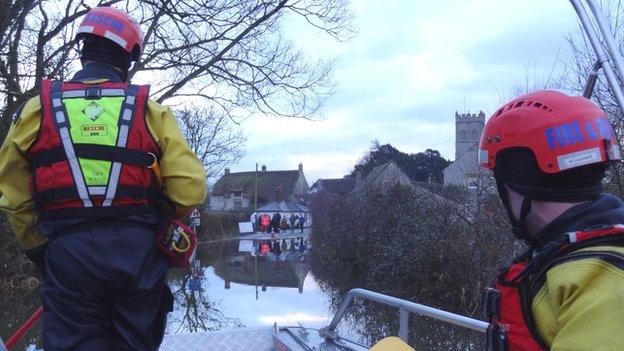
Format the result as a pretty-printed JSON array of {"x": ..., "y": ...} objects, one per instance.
[
  {"x": 233, "y": 288},
  {"x": 238, "y": 289},
  {"x": 230, "y": 289}
]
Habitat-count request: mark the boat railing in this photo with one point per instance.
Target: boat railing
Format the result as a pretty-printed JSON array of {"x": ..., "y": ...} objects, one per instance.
[{"x": 405, "y": 308}]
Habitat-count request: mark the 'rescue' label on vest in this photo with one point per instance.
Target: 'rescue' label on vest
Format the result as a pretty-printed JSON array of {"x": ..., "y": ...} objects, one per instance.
[{"x": 94, "y": 130}]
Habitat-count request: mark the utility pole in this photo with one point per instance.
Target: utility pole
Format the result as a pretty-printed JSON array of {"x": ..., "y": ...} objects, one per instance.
[{"x": 256, "y": 190}]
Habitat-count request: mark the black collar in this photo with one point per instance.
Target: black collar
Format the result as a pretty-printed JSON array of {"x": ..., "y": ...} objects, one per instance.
[
  {"x": 605, "y": 210},
  {"x": 98, "y": 70}
]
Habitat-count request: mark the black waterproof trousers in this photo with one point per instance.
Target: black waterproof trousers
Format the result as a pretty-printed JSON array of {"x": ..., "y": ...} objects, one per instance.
[{"x": 105, "y": 290}]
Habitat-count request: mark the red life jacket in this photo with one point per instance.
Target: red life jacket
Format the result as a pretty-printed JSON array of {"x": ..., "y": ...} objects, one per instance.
[
  {"x": 507, "y": 305},
  {"x": 264, "y": 248},
  {"x": 58, "y": 183}
]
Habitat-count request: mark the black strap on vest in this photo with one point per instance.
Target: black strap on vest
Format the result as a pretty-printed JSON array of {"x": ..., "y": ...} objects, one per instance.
[
  {"x": 96, "y": 152},
  {"x": 123, "y": 191}
]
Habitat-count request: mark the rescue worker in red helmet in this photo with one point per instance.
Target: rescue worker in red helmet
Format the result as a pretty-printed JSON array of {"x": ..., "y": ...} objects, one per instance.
[
  {"x": 78, "y": 183},
  {"x": 549, "y": 153}
]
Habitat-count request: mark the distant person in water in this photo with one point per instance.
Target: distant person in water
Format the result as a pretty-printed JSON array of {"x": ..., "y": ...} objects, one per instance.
[
  {"x": 284, "y": 223},
  {"x": 293, "y": 222},
  {"x": 276, "y": 248},
  {"x": 264, "y": 248},
  {"x": 265, "y": 222},
  {"x": 292, "y": 245},
  {"x": 275, "y": 222},
  {"x": 302, "y": 246},
  {"x": 302, "y": 220}
]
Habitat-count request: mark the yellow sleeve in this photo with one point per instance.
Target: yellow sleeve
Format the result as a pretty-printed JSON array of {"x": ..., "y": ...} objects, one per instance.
[
  {"x": 183, "y": 174},
  {"x": 581, "y": 306},
  {"x": 15, "y": 175}
]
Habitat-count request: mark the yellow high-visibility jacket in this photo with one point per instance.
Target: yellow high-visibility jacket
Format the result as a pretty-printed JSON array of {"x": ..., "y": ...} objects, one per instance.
[
  {"x": 182, "y": 172},
  {"x": 581, "y": 304}
]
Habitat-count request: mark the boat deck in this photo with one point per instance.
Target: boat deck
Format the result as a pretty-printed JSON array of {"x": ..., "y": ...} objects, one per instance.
[{"x": 247, "y": 339}]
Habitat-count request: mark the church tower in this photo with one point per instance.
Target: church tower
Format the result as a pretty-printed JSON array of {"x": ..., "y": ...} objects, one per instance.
[
  {"x": 468, "y": 128},
  {"x": 464, "y": 171}
]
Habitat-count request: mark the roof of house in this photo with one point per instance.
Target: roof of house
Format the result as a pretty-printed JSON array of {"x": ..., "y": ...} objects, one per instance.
[
  {"x": 386, "y": 174},
  {"x": 268, "y": 183},
  {"x": 283, "y": 206},
  {"x": 337, "y": 186},
  {"x": 390, "y": 173}
]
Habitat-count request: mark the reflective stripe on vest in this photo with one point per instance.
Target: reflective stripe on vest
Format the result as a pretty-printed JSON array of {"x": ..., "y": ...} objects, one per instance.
[
  {"x": 60, "y": 118},
  {"x": 507, "y": 305},
  {"x": 63, "y": 124},
  {"x": 127, "y": 113}
]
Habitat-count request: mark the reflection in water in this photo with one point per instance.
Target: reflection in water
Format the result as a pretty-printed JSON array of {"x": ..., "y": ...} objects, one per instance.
[
  {"x": 201, "y": 306},
  {"x": 288, "y": 270},
  {"x": 194, "y": 311}
]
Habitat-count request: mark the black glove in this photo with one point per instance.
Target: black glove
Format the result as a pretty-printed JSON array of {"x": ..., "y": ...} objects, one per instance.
[{"x": 37, "y": 257}]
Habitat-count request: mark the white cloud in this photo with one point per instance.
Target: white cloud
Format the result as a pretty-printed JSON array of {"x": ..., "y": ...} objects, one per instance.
[{"x": 400, "y": 81}]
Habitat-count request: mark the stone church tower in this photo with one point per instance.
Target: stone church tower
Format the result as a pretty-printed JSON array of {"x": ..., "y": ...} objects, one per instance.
[
  {"x": 468, "y": 128},
  {"x": 464, "y": 171}
]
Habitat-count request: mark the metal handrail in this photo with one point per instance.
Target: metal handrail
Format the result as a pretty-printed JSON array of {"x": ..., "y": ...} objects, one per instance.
[
  {"x": 405, "y": 307},
  {"x": 606, "y": 58}
]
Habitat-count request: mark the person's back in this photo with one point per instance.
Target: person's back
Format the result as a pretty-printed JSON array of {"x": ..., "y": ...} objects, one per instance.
[{"x": 93, "y": 144}]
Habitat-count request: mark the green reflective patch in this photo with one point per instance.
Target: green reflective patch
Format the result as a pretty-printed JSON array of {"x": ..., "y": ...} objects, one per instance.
[
  {"x": 94, "y": 122},
  {"x": 95, "y": 172}
]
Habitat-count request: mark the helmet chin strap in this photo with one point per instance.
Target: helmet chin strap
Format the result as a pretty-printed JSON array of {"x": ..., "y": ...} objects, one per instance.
[{"x": 517, "y": 227}]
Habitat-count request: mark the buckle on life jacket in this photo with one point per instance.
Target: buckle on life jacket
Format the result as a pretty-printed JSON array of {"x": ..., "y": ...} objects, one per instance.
[
  {"x": 490, "y": 303},
  {"x": 93, "y": 93},
  {"x": 496, "y": 338}
]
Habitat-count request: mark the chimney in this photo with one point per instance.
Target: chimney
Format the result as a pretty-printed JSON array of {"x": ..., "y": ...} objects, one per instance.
[
  {"x": 263, "y": 168},
  {"x": 227, "y": 170},
  {"x": 278, "y": 194},
  {"x": 300, "y": 167}
]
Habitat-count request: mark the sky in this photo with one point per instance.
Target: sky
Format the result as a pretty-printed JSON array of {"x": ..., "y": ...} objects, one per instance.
[{"x": 410, "y": 67}]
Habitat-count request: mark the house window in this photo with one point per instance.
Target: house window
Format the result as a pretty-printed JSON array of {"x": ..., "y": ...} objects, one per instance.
[
  {"x": 238, "y": 203},
  {"x": 238, "y": 194}
]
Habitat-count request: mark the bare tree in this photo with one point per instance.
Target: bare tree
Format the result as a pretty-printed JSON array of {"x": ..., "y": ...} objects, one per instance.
[
  {"x": 231, "y": 52},
  {"x": 212, "y": 137},
  {"x": 580, "y": 65}
]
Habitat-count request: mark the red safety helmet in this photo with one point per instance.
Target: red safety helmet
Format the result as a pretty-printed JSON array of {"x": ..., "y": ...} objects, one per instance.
[
  {"x": 563, "y": 132},
  {"x": 115, "y": 25}
]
